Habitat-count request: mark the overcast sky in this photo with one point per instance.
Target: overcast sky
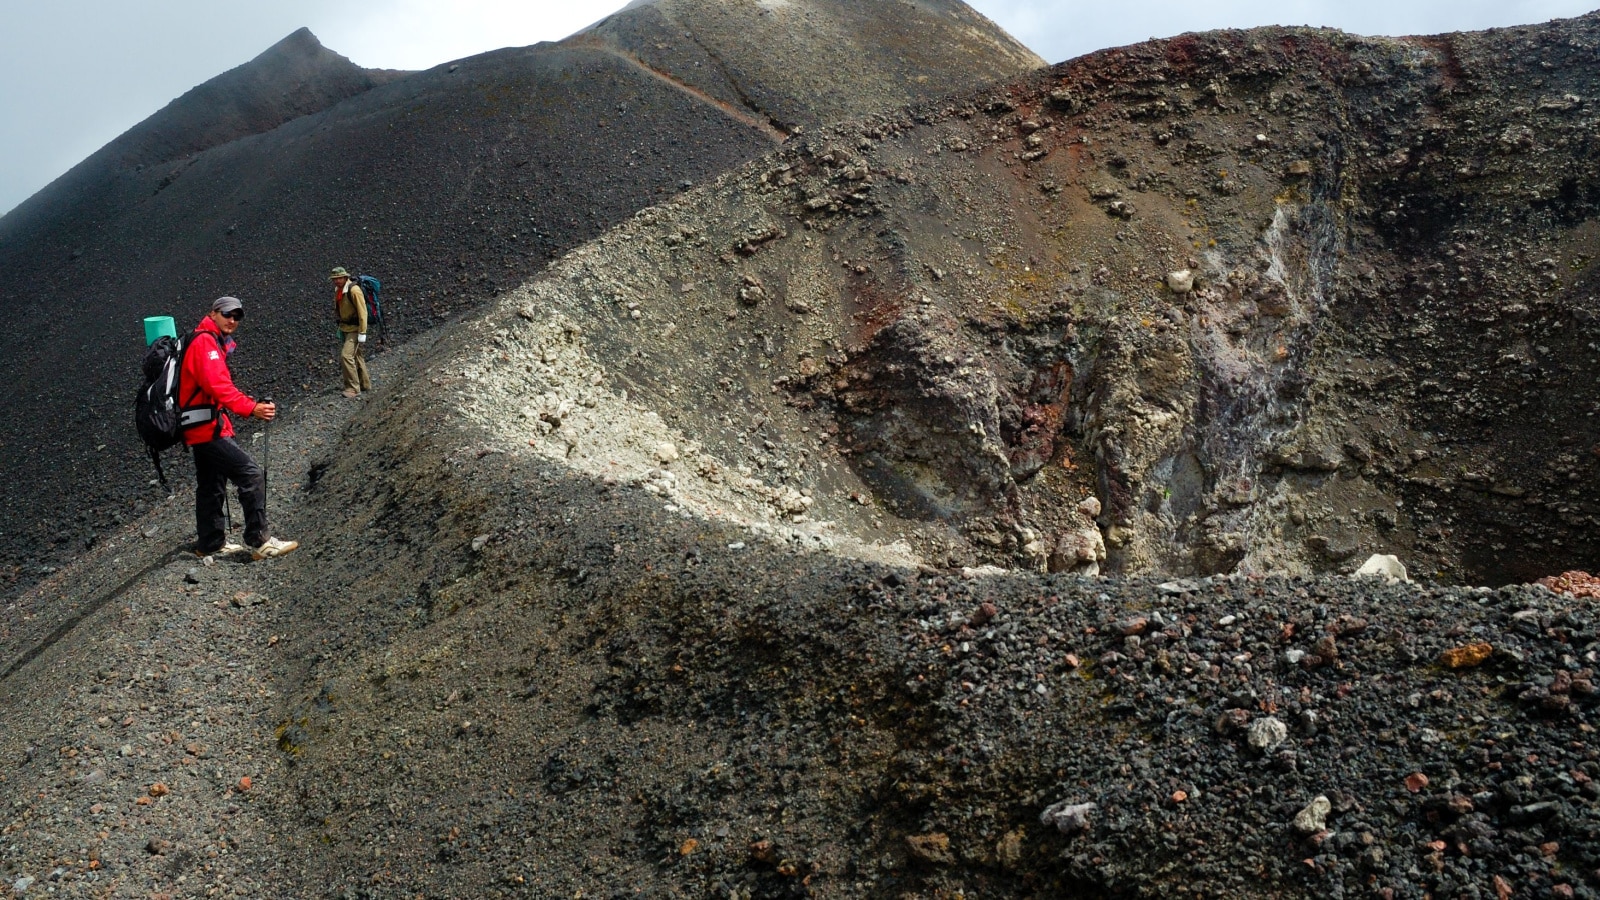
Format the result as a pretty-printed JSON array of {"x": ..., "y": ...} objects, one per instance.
[{"x": 77, "y": 73}]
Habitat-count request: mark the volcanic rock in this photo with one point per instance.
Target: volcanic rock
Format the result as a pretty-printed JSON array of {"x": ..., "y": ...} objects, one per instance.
[
  {"x": 993, "y": 352},
  {"x": 814, "y": 658}
]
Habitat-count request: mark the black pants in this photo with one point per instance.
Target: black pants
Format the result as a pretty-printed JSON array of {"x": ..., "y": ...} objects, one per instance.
[{"x": 215, "y": 464}]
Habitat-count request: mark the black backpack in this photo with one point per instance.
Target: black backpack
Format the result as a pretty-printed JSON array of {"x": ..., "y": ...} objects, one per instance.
[
  {"x": 158, "y": 413},
  {"x": 370, "y": 286},
  {"x": 155, "y": 408}
]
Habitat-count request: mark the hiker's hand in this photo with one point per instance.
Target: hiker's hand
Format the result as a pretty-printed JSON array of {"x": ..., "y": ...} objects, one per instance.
[
  {"x": 361, "y": 339},
  {"x": 264, "y": 411}
]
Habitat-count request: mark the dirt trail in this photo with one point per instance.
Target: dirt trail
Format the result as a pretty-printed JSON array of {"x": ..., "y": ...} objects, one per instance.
[
  {"x": 142, "y": 698},
  {"x": 745, "y": 116}
]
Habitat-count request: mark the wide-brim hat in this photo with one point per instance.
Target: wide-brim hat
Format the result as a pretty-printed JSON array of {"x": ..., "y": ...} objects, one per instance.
[{"x": 338, "y": 272}]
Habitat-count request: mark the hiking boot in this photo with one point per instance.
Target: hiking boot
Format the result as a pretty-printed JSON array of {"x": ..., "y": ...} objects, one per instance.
[
  {"x": 224, "y": 550},
  {"x": 351, "y": 392},
  {"x": 272, "y": 548}
]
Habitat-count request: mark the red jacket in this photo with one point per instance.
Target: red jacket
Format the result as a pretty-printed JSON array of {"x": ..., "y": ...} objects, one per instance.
[{"x": 206, "y": 382}]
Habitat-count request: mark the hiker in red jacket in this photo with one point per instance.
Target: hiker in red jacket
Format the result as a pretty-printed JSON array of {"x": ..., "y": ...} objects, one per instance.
[{"x": 206, "y": 389}]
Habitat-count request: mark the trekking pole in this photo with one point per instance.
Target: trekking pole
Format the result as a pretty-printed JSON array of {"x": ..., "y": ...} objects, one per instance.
[{"x": 266, "y": 449}]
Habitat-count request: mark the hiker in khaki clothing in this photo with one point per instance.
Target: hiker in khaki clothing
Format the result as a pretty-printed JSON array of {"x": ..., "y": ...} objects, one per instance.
[{"x": 351, "y": 305}]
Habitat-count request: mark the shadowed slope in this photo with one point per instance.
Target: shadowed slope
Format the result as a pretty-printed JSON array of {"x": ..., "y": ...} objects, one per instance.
[{"x": 295, "y": 77}]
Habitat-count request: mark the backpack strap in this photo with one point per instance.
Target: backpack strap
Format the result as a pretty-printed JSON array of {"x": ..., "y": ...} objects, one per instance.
[
  {"x": 193, "y": 416},
  {"x": 161, "y": 476}
]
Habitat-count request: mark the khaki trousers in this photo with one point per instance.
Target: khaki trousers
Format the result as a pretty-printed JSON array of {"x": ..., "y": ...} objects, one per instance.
[{"x": 352, "y": 359}]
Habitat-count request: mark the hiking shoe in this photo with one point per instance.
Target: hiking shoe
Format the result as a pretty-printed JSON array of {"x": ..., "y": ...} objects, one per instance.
[
  {"x": 272, "y": 548},
  {"x": 224, "y": 550},
  {"x": 351, "y": 392}
]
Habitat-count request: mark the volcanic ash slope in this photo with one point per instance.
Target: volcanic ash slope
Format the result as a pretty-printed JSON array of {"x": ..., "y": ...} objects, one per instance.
[
  {"x": 591, "y": 625},
  {"x": 452, "y": 185},
  {"x": 594, "y": 597}
]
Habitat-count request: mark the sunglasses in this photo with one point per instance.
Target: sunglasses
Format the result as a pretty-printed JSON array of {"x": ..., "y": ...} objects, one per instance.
[{"x": 235, "y": 315}]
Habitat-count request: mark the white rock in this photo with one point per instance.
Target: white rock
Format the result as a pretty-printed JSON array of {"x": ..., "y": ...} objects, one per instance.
[
  {"x": 666, "y": 453},
  {"x": 791, "y": 501},
  {"x": 1181, "y": 281},
  {"x": 1383, "y": 565},
  {"x": 1067, "y": 817},
  {"x": 1078, "y": 548},
  {"x": 1266, "y": 734},
  {"x": 1314, "y": 817},
  {"x": 1090, "y": 506}
]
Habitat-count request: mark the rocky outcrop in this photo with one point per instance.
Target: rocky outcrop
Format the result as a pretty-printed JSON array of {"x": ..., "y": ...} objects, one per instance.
[{"x": 1183, "y": 278}]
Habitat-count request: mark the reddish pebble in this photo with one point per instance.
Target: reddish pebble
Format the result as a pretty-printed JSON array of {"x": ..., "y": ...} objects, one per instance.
[
  {"x": 1416, "y": 781},
  {"x": 1466, "y": 656},
  {"x": 244, "y": 783}
]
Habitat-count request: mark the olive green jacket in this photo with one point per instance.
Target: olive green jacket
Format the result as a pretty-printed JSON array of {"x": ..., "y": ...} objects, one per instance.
[{"x": 352, "y": 305}]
